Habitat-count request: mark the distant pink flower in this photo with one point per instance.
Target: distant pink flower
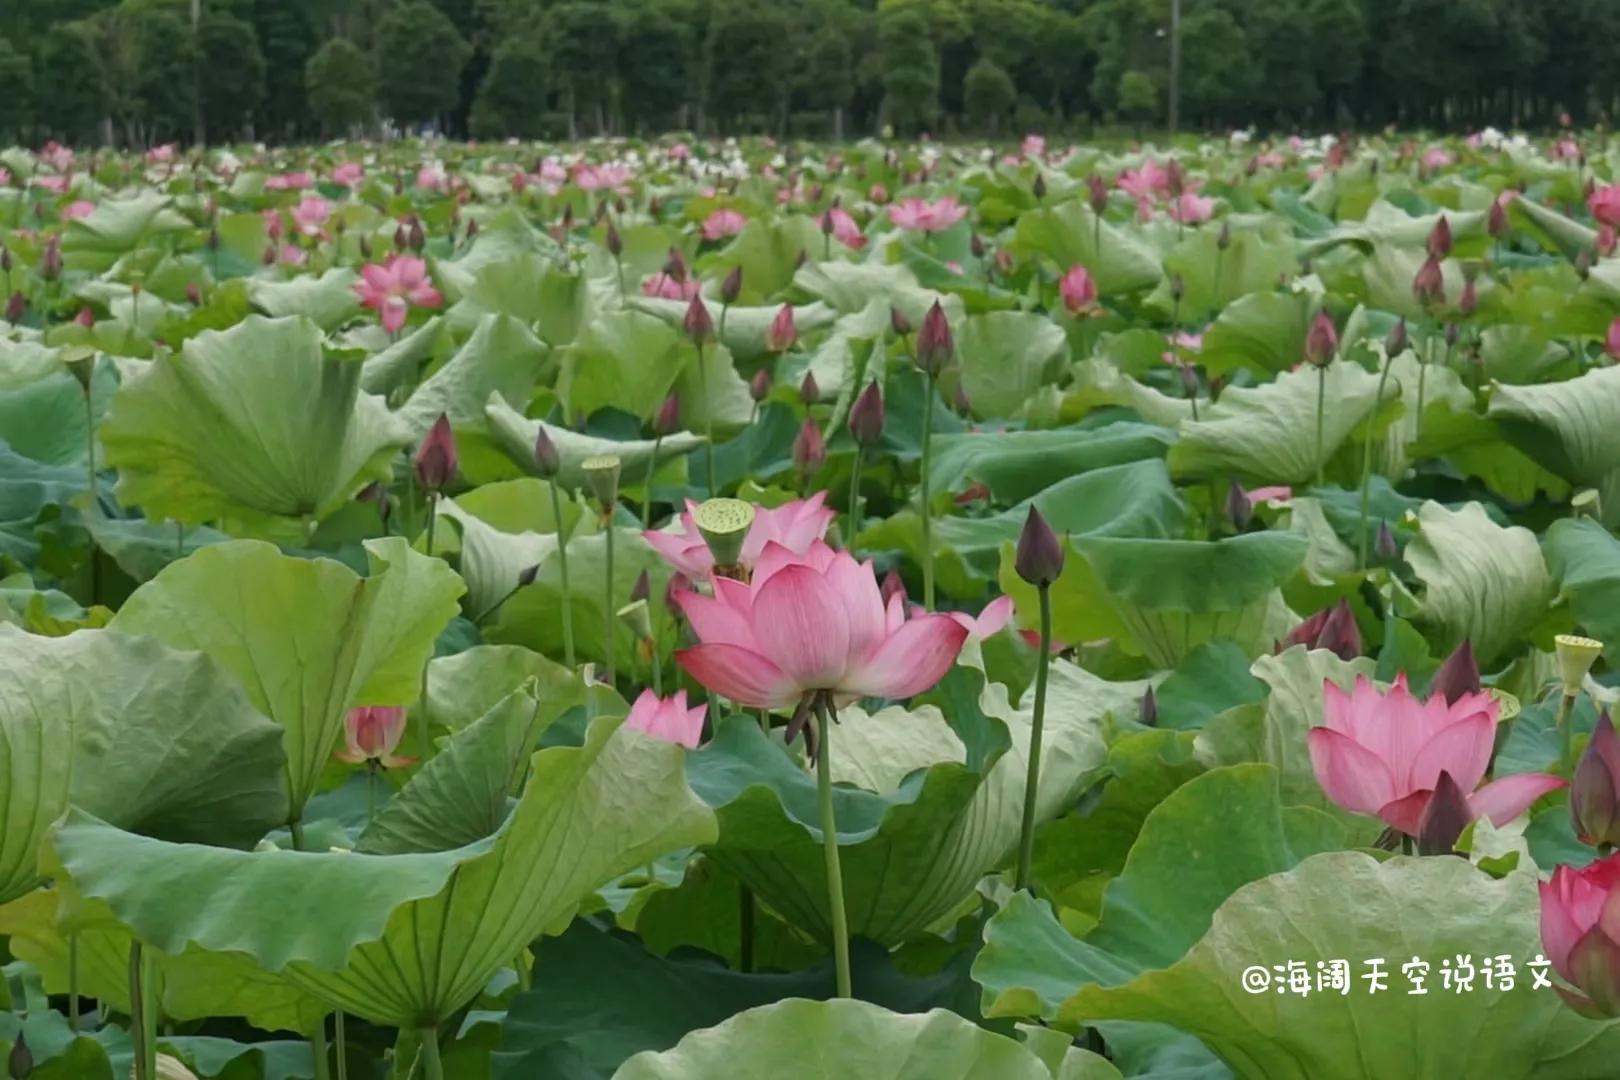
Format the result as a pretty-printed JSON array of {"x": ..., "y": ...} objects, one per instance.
[
  {"x": 1606, "y": 240},
  {"x": 669, "y": 287},
  {"x": 723, "y": 223},
  {"x": 1145, "y": 182},
  {"x": 349, "y": 174},
  {"x": 1567, "y": 149},
  {"x": 1182, "y": 342},
  {"x": 667, "y": 718},
  {"x": 292, "y": 181},
  {"x": 371, "y": 733},
  {"x": 926, "y": 215},
  {"x": 292, "y": 255},
  {"x": 310, "y": 215},
  {"x": 1192, "y": 208},
  {"x": 1144, "y": 210},
  {"x": 5, "y": 176},
  {"x": 57, "y": 156},
  {"x": 808, "y": 623},
  {"x": 1604, "y": 202},
  {"x": 845, "y": 231},
  {"x": 597, "y": 177},
  {"x": 793, "y": 526},
  {"x": 1271, "y": 159},
  {"x": 78, "y": 209},
  {"x": 56, "y": 185},
  {"x": 1611, "y": 342},
  {"x": 680, "y": 152},
  {"x": 1078, "y": 290},
  {"x": 552, "y": 172},
  {"x": 1034, "y": 145},
  {"x": 161, "y": 154},
  {"x": 1436, "y": 158},
  {"x": 878, "y": 193},
  {"x": 273, "y": 225},
  {"x": 1274, "y": 493},
  {"x": 391, "y": 288},
  {"x": 432, "y": 178}
]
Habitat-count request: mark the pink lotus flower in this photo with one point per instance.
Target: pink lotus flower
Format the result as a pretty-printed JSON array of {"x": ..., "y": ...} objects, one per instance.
[
  {"x": 1271, "y": 159},
  {"x": 1580, "y": 931},
  {"x": 1382, "y": 754},
  {"x": 927, "y": 216},
  {"x": 597, "y": 177},
  {"x": 1192, "y": 208},
  {"x": 1034, "y": 145},
  {"x": 432, "y": 178},
  {"x": 56, "y": 185},
  {"x": 273, "y": 225},
  {"x": 669, "y": 287},
  {"x": 667, "y": 718},
  {"x": 1182, "y": 342},
  {"x": 793, "y": 526},
  {"x": 1611, "y": 342},
  {"x": 310, "y": 215},
  {"x": 1078, "y": 290},
  {"x": 57, "y": 156},
  {"x": 293, "y": 181},
  {"x": 1280, "y": 493},
  {"x": 988, "y": 623},
  {"x": 1436, "y": 158},
  {"x": 844, "y": 229},
  {"x": 809, "y": 623},
  {"x": 292, "y": 255},
  {"x": 1145, "y": 182},
  {"x": 78, "y": 209},
  {"x": 723, "y": 223},
  {"x": 1567, "y": 150},
  {"x": 878, "y": 193},
  {"x": 161, "y": 154},
  {"x": 391, "y": 288},
  {"x": 371, "y": 734},
  {"x": 349, "y": 174},
  {"x": 1604, "y": 202},
  {"x": 552, "y": 172},
  {"x": 680, "y": 152}
]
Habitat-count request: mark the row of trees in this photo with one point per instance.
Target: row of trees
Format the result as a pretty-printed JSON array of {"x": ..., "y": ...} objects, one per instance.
[{"x": 148, "y": 70}]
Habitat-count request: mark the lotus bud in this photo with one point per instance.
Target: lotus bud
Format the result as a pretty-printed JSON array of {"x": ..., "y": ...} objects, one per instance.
[
  {"x": 1223, "y": 239},
  {"x": 1575, "y": 655},
  {"x": 667, "y": 421},
  {"x": 5, "y": 259},
  {"x": 759, "y": 387},
  {"x": 809, "y": 392},
  {"x": 976, "y": 246},
  {"x": 1396, "y": 341},
  {"x": 193, "y": 294},
  {"x": 50, "y": 261},
  {"x": 1038, "y": 188},
  {"x": 1384, "y": 544},
  {"x": 1453, "y": 333},
  {"x": 418, "y": 236},
  {"x": 602, "y": 474},
  {"x": 86, "y": 317},
  {"x": 827, "y": 224},
  {"x": 698, "y": 325},
  {"x": 1333, "y": 628},
  {"x": 783, "y": 333},
  {"x": 402, "y": 238},
  {"x": 638, "y": 618},
  {"x": 213, "y": 239},
  {"x": 16, "y": 307},
  {"x": 1468, "y": 302},
  {"x": 809, "y": 451},
  {"x": 527, "y": 575},
  {"x": 892, "y": 586},
  {"x": 898, "y": 322},
  {"x": 1150, "y": 709},
  {"x": 1458, "y": 676},
  {"x": 1239, "y": 510},
  {"x": 1099, "y": 194},
  {"x": 724, "y": 525},
  {"x": 1444, "y": 819},
  {"x": 436, "y": 458},
  {"x": 547, "y": 461},
  {"x": 1439, "y": 243},
  {"x": 1323, "y": 340},
  {"x": 1497, "y": 222},
  {"x": 1429, "y": 284},
  {"x": 935, "y": 346},
  {"x": 1594, "y": 793},
  {"x": 1039, "y": 555},
  {"x": 20, "y": 1063},
  {"x": 641, "y": 589},
  {"x": 615, "y": 242},
  {"x": 866, "y": 416},
  {"x": 731, "y": 287},
  {"x": 1189, "y": 379}
]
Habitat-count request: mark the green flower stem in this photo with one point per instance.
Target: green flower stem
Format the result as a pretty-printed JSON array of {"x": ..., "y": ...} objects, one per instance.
[
  {"x": 1406, "y": 844},
  {"x": 562, "y": 569},
  {"x": 708, "y": 420},
  {"x": 318, "y": 1050},
  {"x": 1566, "y": 734},
  {"x": 829, "y": 846},
  {"x": 143, "y": 1022},
  {"x": 1321, "y": 404},
  {"x": 496, "y": 606},
  {"x": 854, "y": 501},
  {"x": 646, "y": 503},
  {"x": 296, "y": 828},
  {"x": 342, "y": 1045},
  {"x": 371, "y": 792},
  {"x": 1366, "y": 469},
  {"x": 927, "y": 499},
  {"x": 90, "y": 469},
  {"x": 432, "y": 1067},
  {"x": 73, "y": 982},
  {"x": 608, "y": 641},
  {"x": 1026, "y": 835}
]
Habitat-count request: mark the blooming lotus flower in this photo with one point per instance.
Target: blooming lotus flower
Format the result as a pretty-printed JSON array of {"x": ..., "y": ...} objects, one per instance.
[
  {"x": 371, "y": 733},
  {"x": 1034, "y": 145},
  {"x": 1145, "y": 182},
  {"x": 988, "y": 623},
  {"x": 723, "y": 223},
  {"x": 927, "y": 215},
  {"x": 1580, "y": 925},
  {"x": 1604, "y": 202},
  {"x": 1191, "y": 208},
  {"x": 793, "y": 526},
  {"x": 1182, "y": 342},
  {"x": 349, "y": 174},
  {"x": 391, "y": 288},
  {"x": 1078, "y": 289},
  {"x": 1382, "y": 754},
  {"x": 1436, "y": 158},
  {"x": 310, "y": 215},
  {"x": 844, "y": 229},
  {"x": 667, "y": 718},
  {"x": 432, "y": 178},
  {"x": 813, "y": 623},
  {"x": 293, "y": 181},
  {"x": 78, "y": 209},
  {"x": 669, "y": 287},
  {"x": 598, "y": 177}
]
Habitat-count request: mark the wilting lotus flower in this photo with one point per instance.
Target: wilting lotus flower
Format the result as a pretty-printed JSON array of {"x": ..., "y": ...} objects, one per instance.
[
  {"x": 927, "y": 215},
  {"x": 1190, "y": 208},
  {"x": 1604, "y": 202},
  {"x": 793, "y": 526},
  {"x": 371, "y": 733},
  {"x": 310, "y": 215},
  {"x": 1078, "y": 289},
  {"x": 812, "y": 623},
  {"x": 843, "y": 227},
  {"x": 667, "y": 718},
  {"x": 723, "y": 223},
  {"x": 1580, "y": 925},
  {"x": 391, "y": 288},
  {"x": 1332, "y": 628},
  {"x": 1382, "y": 754}
]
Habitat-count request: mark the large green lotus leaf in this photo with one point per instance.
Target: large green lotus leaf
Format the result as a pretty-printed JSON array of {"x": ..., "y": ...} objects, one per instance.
[
  {"x": 1349, "y": 906},
  {"x": 407, "y": 939},
  {"x": 328, "y": 301},
  {"x": 914, "y": 843},
  {"x": 1273, "y": 731},
  {"x": 529, "y": 287},
  {"x": 1212, "y": 278},
  {"x": 1135, "y": 499},
  {"x": 21, "y": 362},
  {"x": 1570, "y": 238},
  {"x": 1268, "y": 433},
  {"x": 524, "y": 505},
  {"x": 464, "y": 687},
  {"x": 308, "y": 639},
  {"x": 142, "y": 548},
  {"x": 490, "y": 559},
  {"x": 1163, "y": 598},
  {"x": 745, "y": 330},
  {"x": 502, "y": 357},
  {"x": 1006, "y": 357},
  {"x": 26, "y": 488},
  {"x": 1444, "y": 396},
  {"x": 1474, "y": 445},
  {"x": 1576, "y": 428},
  {"x": 1264, "y": 331},
  {"x": 1388, "y": 275},
  {"x": 626, "y": 360},
  {"x": 45, "y": 419},
  {"x": 1585, "y": 559},
  {"x": 254, "y": 426},
  {"x": 118, "y": 226},
  {"x": 1208, "y": 837},
  {"x": 714, "y": 390},
  {"x": 701, "y": 912},
  {"x": 835, "y": 1040},
  {"x": 1482, "y": 582},
  {"x": 768, "y": 250},
  {"x": 1099, "y": 382},
  {"x": 399, "y": 362},
  {"x": 515, "y": 433},
  {"x": 849, "y": 287},
  {"x": 1015, "y": 465},
  {"x": 502, "y": 236},
  {"x": 1069, "y": 234},
  {"x": 465, "y": 792},
  {"x": 160, "y": 741}
]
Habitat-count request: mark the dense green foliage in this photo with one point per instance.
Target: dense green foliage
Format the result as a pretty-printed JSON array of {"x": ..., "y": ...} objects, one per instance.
[{"x": 817, "y": 68}]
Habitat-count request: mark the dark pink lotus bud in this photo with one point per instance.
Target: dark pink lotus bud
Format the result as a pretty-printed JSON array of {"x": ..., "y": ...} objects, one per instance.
[
  {"x": 402, "y": 237},
  {"x": 1429, "y": 284},
  {"x": 866, "y": 416},
  {"x": 1497, "y": 222},
  {"x": 697, "y": 323},
  {"x": 642, "y": 589},
  {"x": 1468, "y": 302},
  {"x": 1099, "y": 194},
  {"x": 1323, "y": 340},
  {"x": 675, "y": 265},
  {"x": 809, "y": 392},
  {"x": 20, "y": 1062},
  {"x": 1384, "y": 543},
  {"x": 1150, "y": 709},
  {"x": 16, "y": 307},
  {"x": 892, "y": 586},
  {"x": 418, "y": 236},
  {"x": 193, "y": 294},
  {"x": 85, "y": 318},
  {"x": 1039, "y": 556},
  {"x": 809, "y": 451},
  {"x": 547, "y": 461},
  {"x": 436, "y": 458},
  {"x": 731, "y": 287},
  {"x": 615, "y": 242},
  {"x": 1239, "y": 508},
  {"x": 976, "y": 246},
  {"x": 1439, "y": 242},
  {"x": 50, "y": 260},
  {"x": 1458, "y": 676},
  {"x": 1444, "y": 818},
  {"x": 784, "y": 332},
  {"x": 935, "y": 346},
  {"x": 898, "y": 322},
  {"x": 667, "y": 421},
  {"x": 1396, "y": 341},
  {"x": 759, "y": 387},
  {"x": 1594, "y": 794},
  {"x": 1038, "y": 188},
  {"x": 1333, "y": 628}
]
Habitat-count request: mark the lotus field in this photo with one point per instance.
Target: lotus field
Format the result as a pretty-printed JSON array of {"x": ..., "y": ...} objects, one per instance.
[{"x": 738, "y": 610}]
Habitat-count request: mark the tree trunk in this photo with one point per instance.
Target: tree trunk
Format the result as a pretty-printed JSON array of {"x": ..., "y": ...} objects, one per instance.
[{"x": 838, "y": 123}]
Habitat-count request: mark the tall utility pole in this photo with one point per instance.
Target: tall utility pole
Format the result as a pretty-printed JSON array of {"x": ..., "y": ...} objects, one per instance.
[{"x": 1175, "y": 65}]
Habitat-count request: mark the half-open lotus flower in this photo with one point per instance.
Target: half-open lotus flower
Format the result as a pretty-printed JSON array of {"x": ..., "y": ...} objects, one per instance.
[
  {"x": 809, "y": 623},
  {"x": 794, "y": 525},
  {"x": 1580, "y": 931},
  {"x": 1332, "y": 628},
  {"x": 667, "y": 718},
  {"x": 1382, "y": 754},
  {"x": 371, "y": 734}
]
